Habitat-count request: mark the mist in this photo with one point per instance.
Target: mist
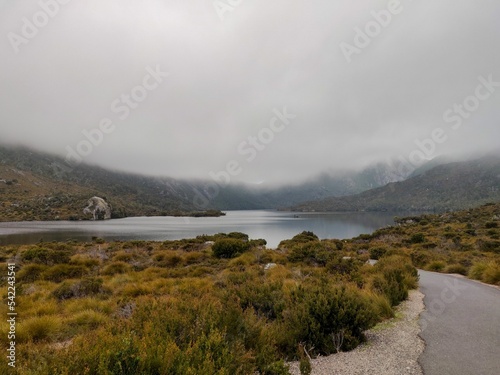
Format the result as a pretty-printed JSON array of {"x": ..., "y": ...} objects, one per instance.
[{"x": 266, "y": 93}]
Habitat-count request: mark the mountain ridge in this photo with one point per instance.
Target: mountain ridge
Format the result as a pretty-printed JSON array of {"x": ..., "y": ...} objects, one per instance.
[
  {"x": 446, "y": 187},
  {"x": 39, "y": 186}
]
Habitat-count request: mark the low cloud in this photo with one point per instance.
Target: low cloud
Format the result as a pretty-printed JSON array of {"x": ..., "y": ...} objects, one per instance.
[{"x": 228, "y": 76}]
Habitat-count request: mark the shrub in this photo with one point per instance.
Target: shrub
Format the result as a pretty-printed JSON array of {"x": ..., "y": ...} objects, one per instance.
[
  {"x": 238, "y": 236},
  {"x": 86, "y": 287},
  {"x": 168, "y": 259},
  {"x": 377, "y": 252},
  {"x": 436, "y": 266},
  {"x": 43, "y": 328},
  {"x": 88, "y": 319},
  {"x": 417, "y": 238},
  {"x": 419, "y": 258},
  {"x": 489, "y": 246},
  {"x": 305, "y": 236},
  {"x": 61, "y": 272},
  {"x": 267, "y": 299},
  {"x": 30, "y": 272},
  {"x": 491, "y": 224},
  {"x": 229, "y": 248},
  {"x": 471, "y": 232},
  {"x": 395, "y": 277},
  {"x": 300, "y": 238},
  {"x": 312, "y": 252},
  {"x": 257, "y": 243},
  {"x": 278, "y": 368},
  {"x": 317, "y": 312},
  {"x": 456, "y": 268},
  {"x": 477, "y": 270},
  {"x": 116, "y": 268},
  {"x": 45, "y": 256},
  {"x": 491, "y": 274}
]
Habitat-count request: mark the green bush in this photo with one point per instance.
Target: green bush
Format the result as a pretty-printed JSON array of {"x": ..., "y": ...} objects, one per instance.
[
  {"x": 436, "y": 266},
  {"x": 377, "y": 252},
  {"x": 477, "y": 270},
  {"x": 491, "y": 274},
  {"x": 61, "y": 272},
  {"x": 266, "y": 298},
  {"x": 417, "y": 238},
  {"x": 300, "y": 238},
  {"x": 312, "y": 253},
  {"x": 116, "y": 268},
  {"x": 489, "y": 246},
  {"x": 168, "y": 259},
  {"x": 229, "y": 248},
  {"x": 277, "y": 368},
  {"x": 395, "y": 278},
  {"x": 456, "y": 268},
  {"x": 45, "y": 256},
  {"x": 30, "y": 272},
  {"x": 63, "y": 291},
  {"x": 317, "y": 312},
  {"x": 86, "y": 287}
]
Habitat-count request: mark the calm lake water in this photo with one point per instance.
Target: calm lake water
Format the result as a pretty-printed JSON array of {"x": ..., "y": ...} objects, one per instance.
[{"x": 273, "y": 226}]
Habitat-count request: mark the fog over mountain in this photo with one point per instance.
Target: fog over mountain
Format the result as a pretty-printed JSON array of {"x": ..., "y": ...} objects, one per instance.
[{"x": 264, "y": 91}]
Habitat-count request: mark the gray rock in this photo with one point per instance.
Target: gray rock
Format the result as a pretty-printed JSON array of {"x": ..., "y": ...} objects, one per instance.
[{"x": 99, "y": 208}]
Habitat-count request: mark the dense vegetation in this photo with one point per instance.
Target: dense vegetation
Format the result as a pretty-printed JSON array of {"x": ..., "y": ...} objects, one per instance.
[
  {"x": 452, "y": 186},
  {"x": 226, "y": 304},
  {"x": 219, "y": 304},
  {"x": 463, "y": 242}
]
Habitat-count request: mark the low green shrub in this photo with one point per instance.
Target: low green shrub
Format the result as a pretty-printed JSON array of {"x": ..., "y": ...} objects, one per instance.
[
  {"x": 62, "y": 272},
  {"x": 229, "y": 248},
  {"x": 477, "y": 270},
  {"x": 377, "y": 252},
  {"x": 417, "y": 238},
  {"x": 312, "y": 253},
  {"x": 86, "y": 287},
  {"x": 491, "y": 274},
  {"x": 30, "y": 272},
  {"x": 45, "y": 256},
  {"x": 116, "y": 268},
  {"x": 395, "y": 277},
  {"x": 436, "y": 266},
  {"x": 456, "y": 268}
]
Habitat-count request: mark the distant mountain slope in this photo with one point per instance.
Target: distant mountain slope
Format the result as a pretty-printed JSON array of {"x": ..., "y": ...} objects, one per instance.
[
  {"x": 34, "y": 187},
  {"x": 39, "y": 186},
  {"x": 328, "y": 184},
  {"x": 445, "y": 187}
]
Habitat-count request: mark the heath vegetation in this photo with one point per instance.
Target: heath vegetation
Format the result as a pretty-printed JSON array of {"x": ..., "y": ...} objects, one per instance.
[{"x": 225, "y": 304}]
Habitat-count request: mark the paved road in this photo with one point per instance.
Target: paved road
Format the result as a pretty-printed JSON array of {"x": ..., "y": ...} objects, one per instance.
[{"x": 461, "y": 326}]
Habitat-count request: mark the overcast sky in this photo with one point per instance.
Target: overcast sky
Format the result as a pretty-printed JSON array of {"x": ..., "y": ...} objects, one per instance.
[{"x": 349, "y": 99}]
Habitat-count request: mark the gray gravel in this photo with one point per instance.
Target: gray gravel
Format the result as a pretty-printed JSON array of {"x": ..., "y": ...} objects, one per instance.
[{"x": 392, "y": 348}]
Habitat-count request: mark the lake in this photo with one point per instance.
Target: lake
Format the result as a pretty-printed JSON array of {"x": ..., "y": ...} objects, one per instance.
[{"x": 271, "y": 225}]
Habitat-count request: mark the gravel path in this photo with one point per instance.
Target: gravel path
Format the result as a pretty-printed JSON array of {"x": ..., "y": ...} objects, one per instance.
[{"x": 392, "y": 348}]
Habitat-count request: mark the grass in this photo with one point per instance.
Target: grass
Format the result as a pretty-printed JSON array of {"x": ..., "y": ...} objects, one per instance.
[{"x": 176, "y": 307}]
